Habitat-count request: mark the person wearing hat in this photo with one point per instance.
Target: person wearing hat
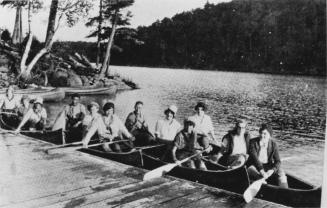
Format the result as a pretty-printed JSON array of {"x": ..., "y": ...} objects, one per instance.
[
  {"x": 203, "y": 123},
  {"x": 264, "y": 157},
  {"x": 235, "y": 146},
  {"x": 137, "y": 125},
  {"x": 109, "y": 128},
  {"x": 24, "y": 107},
  {"x": 185, "y": 145},
  {"x": 35, "y": 118},
  {"x": 167, "y": 128}
]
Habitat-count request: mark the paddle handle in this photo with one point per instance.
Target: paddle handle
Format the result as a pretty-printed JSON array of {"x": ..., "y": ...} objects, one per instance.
[
  {"x": 113, "y": 142},
  {"x": 8, "y": 113},
  {"x": 188, "y": 158}
]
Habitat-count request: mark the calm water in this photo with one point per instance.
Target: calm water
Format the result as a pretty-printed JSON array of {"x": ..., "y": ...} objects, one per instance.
[{"x": 295, "y": 106}]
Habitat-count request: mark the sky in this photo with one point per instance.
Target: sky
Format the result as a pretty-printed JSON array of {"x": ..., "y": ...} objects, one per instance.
[{"x": 144, "y": 12}]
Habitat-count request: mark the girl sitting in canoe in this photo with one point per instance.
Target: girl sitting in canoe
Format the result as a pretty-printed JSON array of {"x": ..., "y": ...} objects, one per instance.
[
  {"x": 92, "y": 118},
  {"x": 9, "y": 105},
  {"x": 186, "y": 145},
  {"x": 35, "y": 118},
  {"x": 24, "y": 107},
  {"x": 109, "y": 129},
  {"x": 166, "y": 129},
  {"x": 265, "y": 157}
]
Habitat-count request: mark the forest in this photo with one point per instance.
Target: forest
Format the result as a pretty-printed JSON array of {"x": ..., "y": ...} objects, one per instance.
[{"x": 269, "y": 36}]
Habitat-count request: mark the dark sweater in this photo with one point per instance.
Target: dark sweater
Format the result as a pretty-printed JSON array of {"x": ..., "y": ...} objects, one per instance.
[{"x": 272, "y": 151}]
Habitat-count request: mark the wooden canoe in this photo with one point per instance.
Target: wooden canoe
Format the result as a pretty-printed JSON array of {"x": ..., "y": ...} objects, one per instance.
[
  {"x": 56, "y": 137},
  {"x": 235, "y": 180},
  {"x": 49, "y": 94},
  {"x": 90, "y": 90},
  {"x": 299, "y": 194},
  {"x": 127, "y": 156}
]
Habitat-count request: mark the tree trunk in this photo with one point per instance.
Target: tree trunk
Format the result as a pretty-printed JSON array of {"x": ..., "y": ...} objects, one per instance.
[
  {"x": 17, "y": 34},
  {"x": 26, "y": 52},
  {"x": 51, "y": 23},
  {"x": 106, "y": 61},
  {"x": 99, "y": 35}
]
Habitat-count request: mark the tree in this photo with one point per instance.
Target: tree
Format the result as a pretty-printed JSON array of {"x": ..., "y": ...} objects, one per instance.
[
  {"x": 72, "y": 11},
  {"x": 110, "y": 12}
]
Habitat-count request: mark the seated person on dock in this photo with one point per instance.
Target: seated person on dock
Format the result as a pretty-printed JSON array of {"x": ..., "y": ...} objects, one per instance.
[
  {"x": 137, "y": 125},
  {"x": 186, "y": 145},
  {"x": 74, "y": 113},
  {"x": 167, "y": 128},
  {"x": 35, "y": 118},
  {"x": 24, "y": 107},
  {"x": 203, "y": 123},
  {"x": 265, "y": 158},
  {"x": 235, "y": 146},
  {"x": 109, "y": 129}
]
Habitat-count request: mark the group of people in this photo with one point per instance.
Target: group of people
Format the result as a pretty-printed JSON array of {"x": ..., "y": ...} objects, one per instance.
[
  {"x": 196, "y": 136},
  {"x": 18, "y": 110}
]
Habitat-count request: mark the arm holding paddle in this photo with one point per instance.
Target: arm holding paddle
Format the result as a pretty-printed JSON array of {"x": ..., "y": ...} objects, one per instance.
[{"x": 24, "y": 121}]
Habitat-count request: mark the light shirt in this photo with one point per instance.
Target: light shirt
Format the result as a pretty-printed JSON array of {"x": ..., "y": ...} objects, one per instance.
[
  {"x": 90, "y": 120},
  {"x": 263, "y": 153},
  {"x": 203, "y": 124},
  {"x": 114, "y": 125},
  {"x": 10, "y": 104},
  {"x": 167, "y": 130},
  {"x": 239, "y": 145},
  {"x": 36, "y": 117}
]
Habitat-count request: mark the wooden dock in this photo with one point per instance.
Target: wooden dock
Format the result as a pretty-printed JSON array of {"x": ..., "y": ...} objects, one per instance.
[{"x": 31, "y": 178}]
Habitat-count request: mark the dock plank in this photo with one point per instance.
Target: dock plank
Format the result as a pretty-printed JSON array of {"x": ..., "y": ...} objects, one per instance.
[{"x": 31, "y": 178}]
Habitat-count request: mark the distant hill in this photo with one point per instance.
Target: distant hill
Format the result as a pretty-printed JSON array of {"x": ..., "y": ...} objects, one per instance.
[
  {"x": 269, "y": 36},
  {"x": 275, "y": 36}
]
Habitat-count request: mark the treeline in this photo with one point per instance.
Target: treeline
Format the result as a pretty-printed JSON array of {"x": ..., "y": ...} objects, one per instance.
[{"x": 273, "y": 36}]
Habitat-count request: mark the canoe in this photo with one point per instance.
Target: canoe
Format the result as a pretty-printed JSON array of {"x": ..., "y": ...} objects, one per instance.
[
  {"x": 235, "y": 180},
  {"x": 128, "y": 157},
  {"x": 49, "y": 94},
  {"x": 299, "y": 194},
  {"x": 90, "y": 90},
  {"x": 56, "y": 137}
]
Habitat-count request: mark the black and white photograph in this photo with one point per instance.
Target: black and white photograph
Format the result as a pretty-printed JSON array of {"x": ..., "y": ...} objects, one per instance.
[{"x": 163, "y": 103}]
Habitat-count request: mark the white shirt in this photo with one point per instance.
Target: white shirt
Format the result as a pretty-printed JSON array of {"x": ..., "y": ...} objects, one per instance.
[
  {"x": 203, "y": 124},
  {"x": 116, "y": 126},
  {"x": 11, "y": 104},
  {"x": 263, "y": 153},
  {"x": 167, "y": 130},
  {"x": 239, "y": 145},
  {"x": 36, "y": 117}
]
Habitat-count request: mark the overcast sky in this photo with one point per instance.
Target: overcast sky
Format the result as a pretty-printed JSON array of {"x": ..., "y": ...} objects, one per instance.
[{"x": 145, "y": 12}]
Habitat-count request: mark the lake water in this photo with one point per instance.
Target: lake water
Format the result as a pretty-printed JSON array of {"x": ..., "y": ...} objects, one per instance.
[{"x": 294, "y": 105}]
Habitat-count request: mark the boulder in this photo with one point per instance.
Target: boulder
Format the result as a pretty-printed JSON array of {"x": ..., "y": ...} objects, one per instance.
[{"x": 74, "y": 80}]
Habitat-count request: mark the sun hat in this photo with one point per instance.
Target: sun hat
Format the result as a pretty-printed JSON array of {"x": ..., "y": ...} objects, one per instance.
[
  {"x": 171, "y": 108},
  {"x": 38, "y": 100}
]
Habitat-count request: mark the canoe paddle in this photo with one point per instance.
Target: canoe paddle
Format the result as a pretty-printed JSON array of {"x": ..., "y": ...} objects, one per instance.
[
  {"x": 253, "y": 189},
  {"x": 49, "y": 150},
  {"x": 158, "y": 172}
]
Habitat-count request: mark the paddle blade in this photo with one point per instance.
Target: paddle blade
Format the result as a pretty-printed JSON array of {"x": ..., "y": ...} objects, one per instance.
[
  {"x": 158, "y": 172},
  {"x": 252, "y": 190},
  {"x": 60, "y": 122}
]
